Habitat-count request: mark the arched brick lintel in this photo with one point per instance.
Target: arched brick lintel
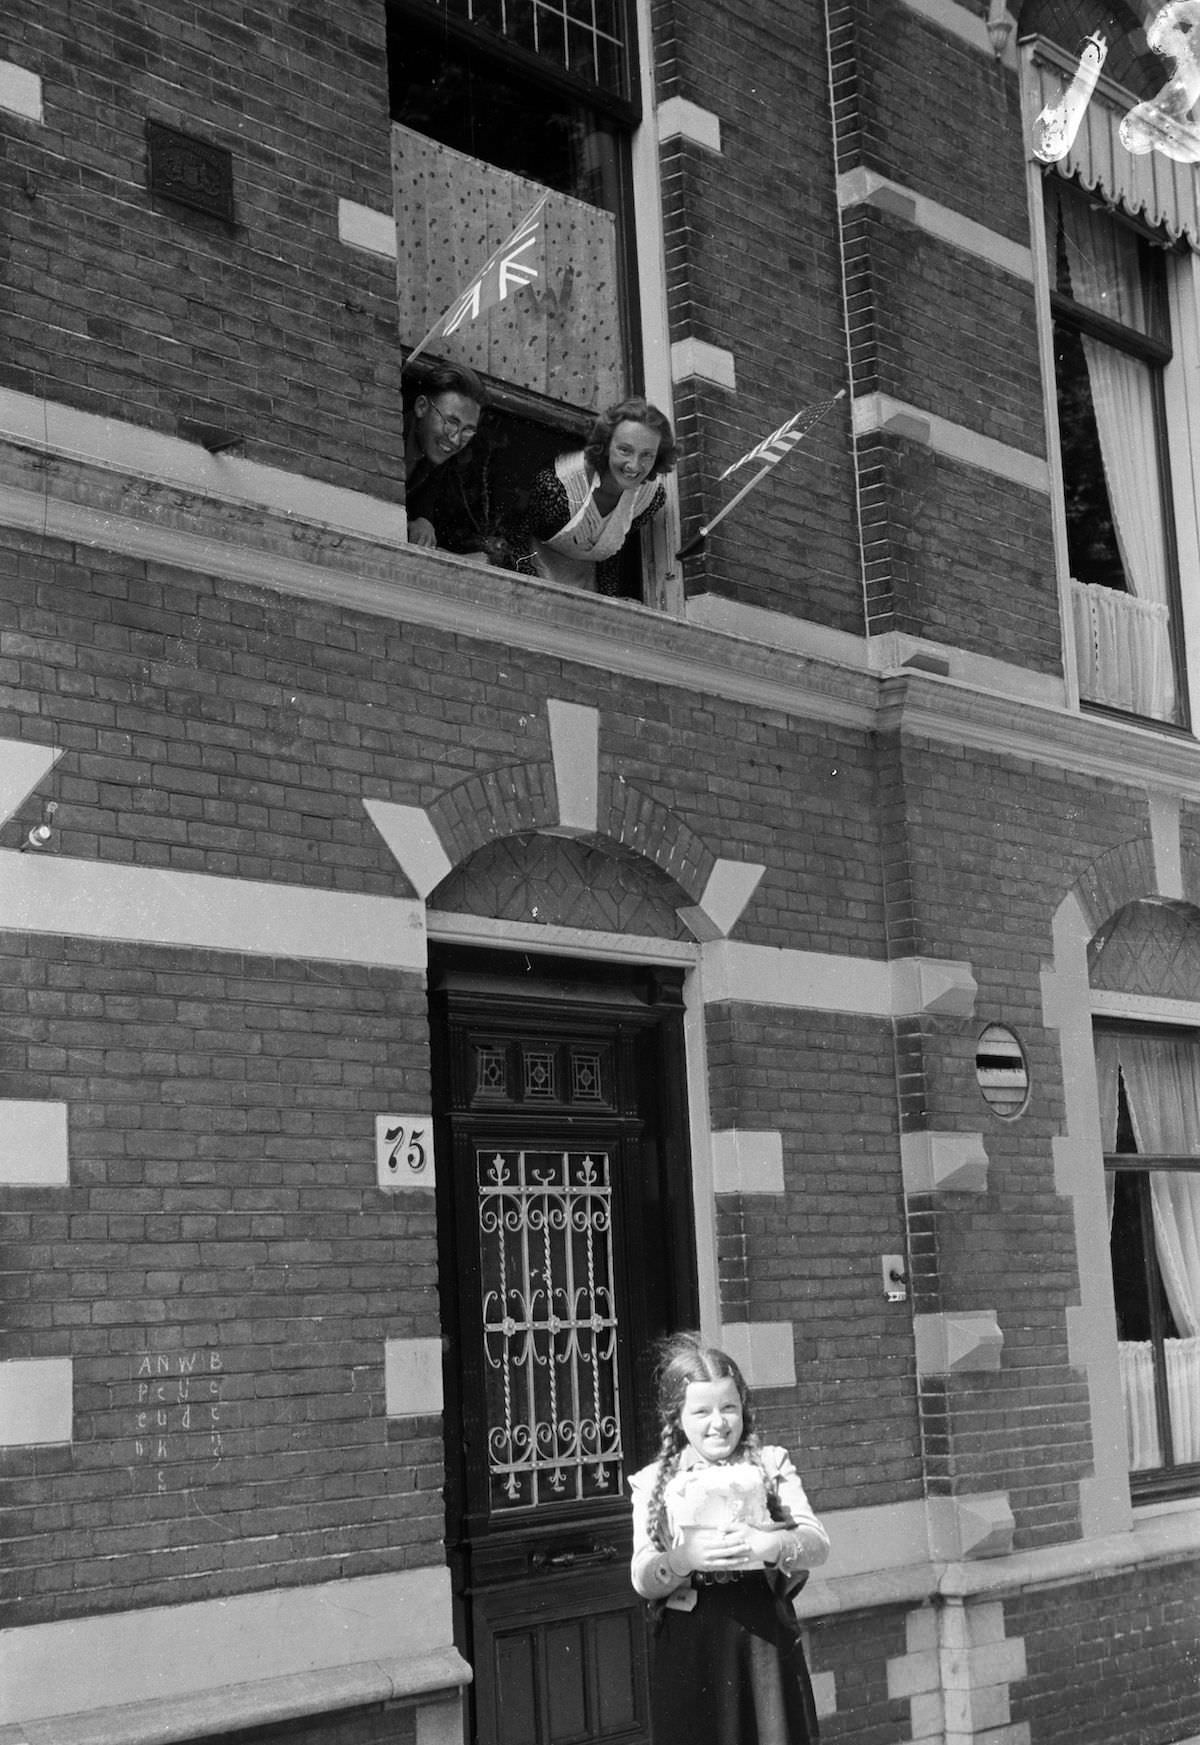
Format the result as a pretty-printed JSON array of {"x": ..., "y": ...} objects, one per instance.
[
  {"x": 1120, "y": 876},
  {"x": 521, "y": 798}
]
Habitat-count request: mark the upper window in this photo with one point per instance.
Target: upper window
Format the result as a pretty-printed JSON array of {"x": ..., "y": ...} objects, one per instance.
[
  {"x": 1150, "y": 1111},
  {"x": 493, "y": 103},
  {"x": 1111, "y": 348}
]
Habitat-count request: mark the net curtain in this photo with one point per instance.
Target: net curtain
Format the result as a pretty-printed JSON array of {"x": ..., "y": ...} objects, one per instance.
[
  {"x": 1161, "y": 1076},
  {"x": 1132, "y": 657}
]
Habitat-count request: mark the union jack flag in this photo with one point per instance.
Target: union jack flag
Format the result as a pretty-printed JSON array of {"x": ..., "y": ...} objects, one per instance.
[
  {"x": 782, "y": 441},
  {"x": 508, "y": 269}
]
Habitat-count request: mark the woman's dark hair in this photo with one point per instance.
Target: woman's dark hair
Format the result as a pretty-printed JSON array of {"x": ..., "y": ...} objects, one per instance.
[
  {"x": 449, "y": 379},
  {"x": 683, "y": 1359},
  {"x": 633, "y": 411}
]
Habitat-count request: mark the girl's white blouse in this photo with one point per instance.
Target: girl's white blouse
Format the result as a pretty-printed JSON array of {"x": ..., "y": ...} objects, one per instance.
[{"x": 805, "y": 1545}]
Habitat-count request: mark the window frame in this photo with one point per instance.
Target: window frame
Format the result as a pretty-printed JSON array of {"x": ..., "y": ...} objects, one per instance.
[
  {"x": 527, "y": 67},
  {"x": 1161, "y": 355},
  {"x": 1174, "y": 210},
  {"x": 1176, "y": 1480},
  {"x": 642, "y": 283}
]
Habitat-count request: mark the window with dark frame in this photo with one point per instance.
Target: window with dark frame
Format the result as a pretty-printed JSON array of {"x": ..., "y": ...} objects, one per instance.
[
  {"x": 1150, "y": 1097},
  {"x": 542, "y": 91},
  {"x": 1111, "y": 347}
]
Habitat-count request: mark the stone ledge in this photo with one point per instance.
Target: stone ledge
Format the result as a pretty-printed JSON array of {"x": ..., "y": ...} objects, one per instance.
[
  {"x": 287, "y": 554},
  {"x": 426, "y": 1679},
  {"x": 1156, "y": 1539}
]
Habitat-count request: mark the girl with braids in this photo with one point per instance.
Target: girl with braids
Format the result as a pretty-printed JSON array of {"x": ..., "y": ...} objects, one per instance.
[{"x": 722, "y": 1531}]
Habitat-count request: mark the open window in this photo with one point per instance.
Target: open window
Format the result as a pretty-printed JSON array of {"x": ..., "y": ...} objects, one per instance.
[
  {"x": 1111, "y": 349},
  {"x": 1120, "y": 249},
  {"x": 1150, "y": 1110},
  {"x": 494, "y": 102}
]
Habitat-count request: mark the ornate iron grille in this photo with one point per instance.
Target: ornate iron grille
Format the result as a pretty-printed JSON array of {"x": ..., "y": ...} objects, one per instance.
[{"x": 549, "y": 1326}]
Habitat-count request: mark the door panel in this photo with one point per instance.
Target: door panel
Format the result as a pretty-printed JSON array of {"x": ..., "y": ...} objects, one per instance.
[
  {"x": 562, "y": 1662},
  {"x": 565, "y": 1240}
]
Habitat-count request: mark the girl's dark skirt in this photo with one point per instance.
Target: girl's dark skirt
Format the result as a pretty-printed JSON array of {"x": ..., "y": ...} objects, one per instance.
[{"x": 731, "y": 1671}]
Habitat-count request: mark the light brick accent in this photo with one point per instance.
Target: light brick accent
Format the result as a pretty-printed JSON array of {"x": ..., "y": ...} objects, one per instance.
[
  {"x": 956, "y": 1675},
  {"x": 731, "y": 884},
  {"x": 363, "y": 227},
  {"x": 864, "y": 186},
  {"x": 680, "y": 119},
  {"x": 934, "y": 985},
  {"x": 979, "y": 1524},
  {"x": 33, "y": 1144},
  {"x": 765, "y": 1351},
  {"x": 20, "y": 91},
  {"x": 1164, "y": 833},
  {"x": 824, "y": 1689},
  {"x": 412, "y": 838},
  {"x": 710, "y": 363},
  {"x": 413, "y": 1377},
  {"x": 575, "y": 748},
  {"x": 944, "y": 1163},
  {"x": 948, "y": 1344},
  {"x": 882, "y": 412},
  {"x": 91, "y": 899},
  {"x": 35, "y": 1401},
  {"x": 22, "y": 767},
  {"x": 747, "y": 1162}
]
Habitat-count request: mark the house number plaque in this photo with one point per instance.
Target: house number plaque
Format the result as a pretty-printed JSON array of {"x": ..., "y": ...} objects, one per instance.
[{"x": 404, "y": 1151}]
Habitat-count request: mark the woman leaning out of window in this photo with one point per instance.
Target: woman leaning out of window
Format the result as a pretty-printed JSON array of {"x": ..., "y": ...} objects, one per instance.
[{"x": 582, "y": 509}]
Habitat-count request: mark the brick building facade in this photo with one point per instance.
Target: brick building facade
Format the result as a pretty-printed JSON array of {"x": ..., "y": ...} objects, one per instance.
[{"x": 839, "y": 894}]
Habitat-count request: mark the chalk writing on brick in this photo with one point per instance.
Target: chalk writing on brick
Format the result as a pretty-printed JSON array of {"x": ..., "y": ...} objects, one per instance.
[{"x": 177, "y": 1409}]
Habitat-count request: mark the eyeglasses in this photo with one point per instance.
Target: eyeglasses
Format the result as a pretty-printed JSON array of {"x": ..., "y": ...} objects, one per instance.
[{"x": 453, "y": 428}]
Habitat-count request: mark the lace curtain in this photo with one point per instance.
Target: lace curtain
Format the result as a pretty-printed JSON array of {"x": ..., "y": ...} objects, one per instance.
[
  {"x": 1122, "y": 641},
  {"x": 1162, "y": 1087}
]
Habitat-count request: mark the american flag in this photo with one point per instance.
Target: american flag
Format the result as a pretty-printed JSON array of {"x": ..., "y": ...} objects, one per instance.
[
  {"x": 510, "y": 267},
  {"x": 782, "y": 441}
]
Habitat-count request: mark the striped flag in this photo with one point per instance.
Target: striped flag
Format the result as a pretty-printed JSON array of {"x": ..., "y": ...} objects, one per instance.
[
  {"x": 512, "y": 266},
  {"x": 771, "y": 449},
  {"x": 782, "y": 441}
]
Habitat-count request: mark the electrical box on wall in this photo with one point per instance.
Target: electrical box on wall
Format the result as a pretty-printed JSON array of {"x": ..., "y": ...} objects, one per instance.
[{"x": 404, "y": 1151}]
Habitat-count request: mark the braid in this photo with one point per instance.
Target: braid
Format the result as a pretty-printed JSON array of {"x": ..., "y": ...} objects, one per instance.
[
  {"x": 682, "y": 1360},
  {"x": 668, "y": 1466}
]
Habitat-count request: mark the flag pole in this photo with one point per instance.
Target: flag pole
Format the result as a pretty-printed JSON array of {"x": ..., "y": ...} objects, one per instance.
[{"x": 693, "y": 545}]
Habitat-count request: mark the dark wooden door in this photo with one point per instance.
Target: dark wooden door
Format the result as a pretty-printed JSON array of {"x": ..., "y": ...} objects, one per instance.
[{"x": 565, "y": 1249}]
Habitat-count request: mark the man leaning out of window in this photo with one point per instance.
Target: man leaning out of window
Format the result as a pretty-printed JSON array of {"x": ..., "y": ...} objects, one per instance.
[{"x": 446, "y": 487}]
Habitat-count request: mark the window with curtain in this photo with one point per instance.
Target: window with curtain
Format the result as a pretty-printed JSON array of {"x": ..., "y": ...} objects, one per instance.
[
  {"x": 1111, "y": 346},
  {"x": 494, "y": 102},
  {"x": 1150, "y": 1113}
]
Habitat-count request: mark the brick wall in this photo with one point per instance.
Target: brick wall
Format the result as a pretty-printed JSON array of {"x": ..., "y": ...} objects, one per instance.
[
  {"x": 1132, "y": 1644},
  {"x": 992, "y": 846},
  {"x": 811, "y": 1256},
  {"x": 752, "y": 267},
  {"x": 124, "y": 305},
  {"x": 953, "y": 551},
  {"x": 222, "y": 1270},
  {"x": 213, "y": 726},
  {"x": 927, "y": 110},
  {"x": 856, "y": 1651}
]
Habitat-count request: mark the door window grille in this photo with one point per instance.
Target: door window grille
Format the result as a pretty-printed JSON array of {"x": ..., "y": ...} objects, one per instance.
[{"x": 549, "y": 1326}]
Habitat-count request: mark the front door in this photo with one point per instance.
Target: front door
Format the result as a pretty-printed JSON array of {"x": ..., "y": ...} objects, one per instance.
[{"x": 565, "y": 1248}]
